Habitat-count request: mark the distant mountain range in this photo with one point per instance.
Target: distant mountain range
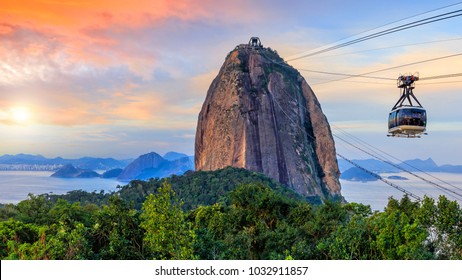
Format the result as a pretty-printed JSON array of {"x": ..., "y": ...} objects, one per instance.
[
  {"x": 25, "y": 161},
  {"x": 153, "y": 165},
  {"x": 146, "y": 166},
  {"x": 352, "y": 173}
]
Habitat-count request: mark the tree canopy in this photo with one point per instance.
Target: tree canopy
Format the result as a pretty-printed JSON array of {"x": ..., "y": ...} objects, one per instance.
[{"x": 219, "y": 215}]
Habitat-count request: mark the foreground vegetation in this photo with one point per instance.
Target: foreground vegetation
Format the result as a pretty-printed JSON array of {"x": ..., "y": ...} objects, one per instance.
[{"x": 231, "y": 218}]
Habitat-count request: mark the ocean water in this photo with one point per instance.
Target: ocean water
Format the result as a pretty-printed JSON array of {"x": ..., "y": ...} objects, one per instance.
[
  {"x": 376, "y": 193},
  {"x": 16, "y": 185}
]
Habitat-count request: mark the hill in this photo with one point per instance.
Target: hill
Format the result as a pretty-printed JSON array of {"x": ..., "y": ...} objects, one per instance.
[
  {"x": 194, "y": 188},
  {"x": 69, "y": 171},
  {"x": 113, "y": 173},
  {"x": 171, "y": 156},
  {"x": 356, "y": 174},
  {"x": 261, "y": 114},
  {"x": 152, "y": 165}
]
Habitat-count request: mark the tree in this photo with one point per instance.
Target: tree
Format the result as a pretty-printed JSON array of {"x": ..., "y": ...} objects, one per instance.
[
  {"x": 258, "y": 229},
  {"x": 8, "y": 211},
  {"x": 117, "y": 231},
  {"x": 66, "y": 242},
  {"x": 210, "y": 227},
  {"x": 448, "y": 224},
  {"x": 351, "y": 241},
  {"x": 13, "y": 234},
  {"x": 253, "y": 224},
  {"x": 67, "y": 213},
  {"x": 34, "y": 210},
  {"x": 167, "y": 233},
  {"x": 398, "y": 232}
]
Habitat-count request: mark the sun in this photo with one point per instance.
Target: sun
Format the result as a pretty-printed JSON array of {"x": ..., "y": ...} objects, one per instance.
[{"x": 20, "y": 114}]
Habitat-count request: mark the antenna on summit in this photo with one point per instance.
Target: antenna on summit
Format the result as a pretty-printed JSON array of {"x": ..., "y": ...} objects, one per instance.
[{"x": 255, "y": 42}]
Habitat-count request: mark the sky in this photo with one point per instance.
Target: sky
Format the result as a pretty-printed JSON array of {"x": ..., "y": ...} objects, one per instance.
[{"x": 123, "y": 78}]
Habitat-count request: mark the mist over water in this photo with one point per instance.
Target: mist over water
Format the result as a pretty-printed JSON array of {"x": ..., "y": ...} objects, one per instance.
[{"x": 376, "y": 193}]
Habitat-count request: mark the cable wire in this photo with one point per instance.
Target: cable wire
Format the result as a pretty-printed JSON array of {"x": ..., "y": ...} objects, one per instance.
[
  {"x": 386, "y": 32},
  {"x": 390, "y": 23},
  {"x": 304, "y": 132},
  {"x": 346, "y": 75},
  {"x": 446, "y": 190},
  {"x": 395, "y": 46},
  {"x": 441, "y": 76},
  {"x": 453, "y": 75},
  {"x": 381, "y": 178},
  {"x": 393, "y": 157},
  {"x": 395, "y": 67}
]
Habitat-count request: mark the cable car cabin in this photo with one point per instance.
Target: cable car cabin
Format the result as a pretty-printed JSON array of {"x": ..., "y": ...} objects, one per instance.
[{"x": 407, "y": 121}]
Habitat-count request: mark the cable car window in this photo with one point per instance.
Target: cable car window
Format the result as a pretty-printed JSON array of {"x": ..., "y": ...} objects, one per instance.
[
  {"x": 414, "y": 117},
  {"x": 403, "y": 117},
  {"x": 392, "y": 119}
]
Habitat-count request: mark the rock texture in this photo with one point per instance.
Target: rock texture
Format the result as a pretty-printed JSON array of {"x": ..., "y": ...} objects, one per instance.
[{"x": 260, "y": 114}]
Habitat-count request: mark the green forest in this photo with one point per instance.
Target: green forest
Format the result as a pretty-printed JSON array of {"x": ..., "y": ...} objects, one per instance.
[{"x": 225, "y": 214}]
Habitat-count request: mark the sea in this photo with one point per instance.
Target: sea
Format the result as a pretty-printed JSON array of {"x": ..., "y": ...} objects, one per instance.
[
  {"x": 377, "y": 193},
  {"x": 16, "y": 185}
]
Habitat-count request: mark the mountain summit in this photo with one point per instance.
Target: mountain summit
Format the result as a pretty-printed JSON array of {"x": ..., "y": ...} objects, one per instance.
[
  {"x": 152, "y": 165},
  {"x": 260, "y": 114}
]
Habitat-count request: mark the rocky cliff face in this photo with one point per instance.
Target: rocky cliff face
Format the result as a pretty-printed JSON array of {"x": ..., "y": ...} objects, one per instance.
[{"x": 260, "y": 114}]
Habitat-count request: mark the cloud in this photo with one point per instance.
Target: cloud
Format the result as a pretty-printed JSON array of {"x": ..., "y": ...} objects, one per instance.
[
  {"x": 69, "y": 14},
  {"x": 135, "y": 75},
  {"x": 104, "y": 74},
  {"x": 5, "y": 117}
]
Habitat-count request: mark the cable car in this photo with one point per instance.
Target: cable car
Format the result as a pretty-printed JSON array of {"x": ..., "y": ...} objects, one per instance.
[{"x": 407, "y": 120}]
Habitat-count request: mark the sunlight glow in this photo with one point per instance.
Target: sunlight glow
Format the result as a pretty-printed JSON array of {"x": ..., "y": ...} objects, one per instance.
[{"x": 20, "y": 114}]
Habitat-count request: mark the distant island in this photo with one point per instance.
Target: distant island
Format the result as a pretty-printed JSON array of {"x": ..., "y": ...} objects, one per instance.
[
  {"x": 351, "y": 173},
  {"x": 356, "y": 174},
  {"x": 152, "y": 165},
  {"x": 70, "y": 171},
  {"x": 396, "y": 177},
  {"x": 146, "y": 166}
]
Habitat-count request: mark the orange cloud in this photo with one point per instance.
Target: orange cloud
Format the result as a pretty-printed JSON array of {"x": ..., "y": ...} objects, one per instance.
[
  {"x": 88, "y": 28},
  {"x": 78, "y": 13},
  {"x": 72, "y": 117}
]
